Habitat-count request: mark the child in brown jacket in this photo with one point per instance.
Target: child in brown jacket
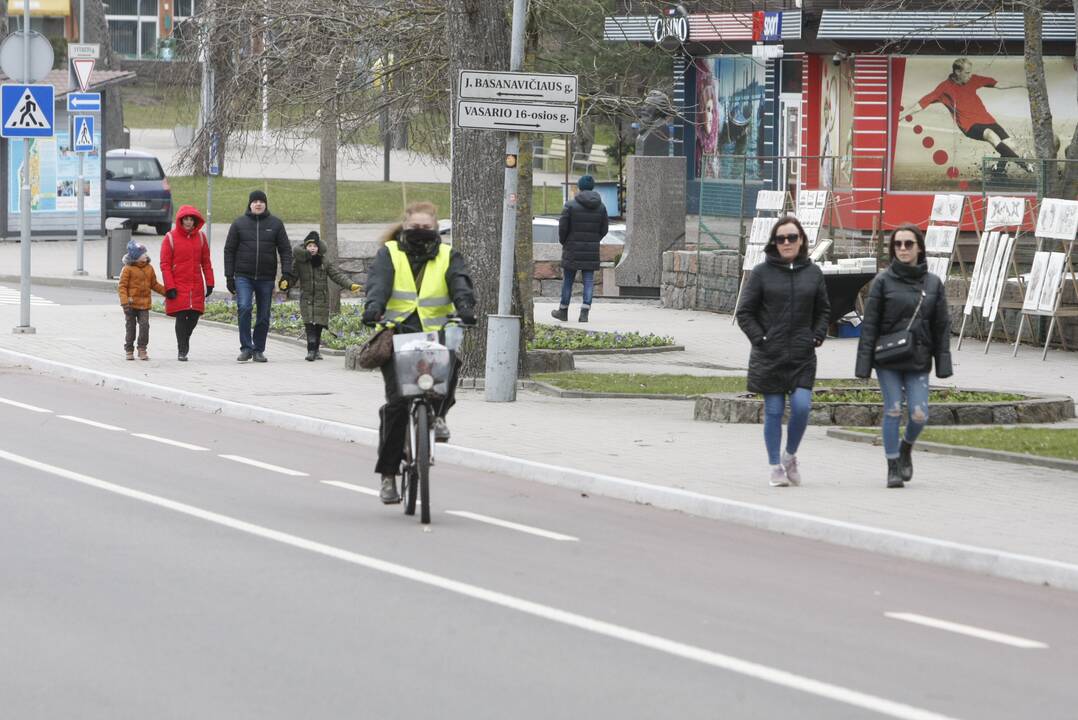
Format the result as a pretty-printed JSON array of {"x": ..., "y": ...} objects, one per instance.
[{"x": 137, "y": 281}]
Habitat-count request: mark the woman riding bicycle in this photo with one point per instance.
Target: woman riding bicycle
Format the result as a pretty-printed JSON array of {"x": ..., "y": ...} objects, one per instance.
[{"x": 412, "y": 256}]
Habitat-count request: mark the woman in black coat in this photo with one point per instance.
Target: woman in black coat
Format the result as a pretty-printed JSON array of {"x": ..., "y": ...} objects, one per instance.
[
  {"x": 905, "y": 295},
  {"x": 784, "y": 311}
]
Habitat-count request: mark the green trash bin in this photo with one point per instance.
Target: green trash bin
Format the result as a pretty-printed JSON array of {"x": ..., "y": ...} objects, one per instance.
[{"x": 117, "y": 248}]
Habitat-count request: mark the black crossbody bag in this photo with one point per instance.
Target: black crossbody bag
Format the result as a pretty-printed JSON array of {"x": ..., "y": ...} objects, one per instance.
[{"x": 898, "y": 346}]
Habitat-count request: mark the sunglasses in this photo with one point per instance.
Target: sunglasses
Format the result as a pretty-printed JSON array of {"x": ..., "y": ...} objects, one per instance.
[
  {"x": 905, "y": 244},
  {"x": 787, "y": 239}
]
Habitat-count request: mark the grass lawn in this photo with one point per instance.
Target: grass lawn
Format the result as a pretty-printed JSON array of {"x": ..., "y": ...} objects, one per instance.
[
  {"x": 655, "y": 384},
  {"x": 1047, "y": 442},
  {"x": 149, "y": 106},
  {"x": 297, "y": 200}
]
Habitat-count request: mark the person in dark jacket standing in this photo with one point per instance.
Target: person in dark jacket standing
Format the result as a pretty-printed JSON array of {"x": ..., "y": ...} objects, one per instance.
[
  {"x": 582, "y": 226},
  {"x": 313, "y": 273},
  {"x": 187, "y": 274},
  {"x": 254, "y": 242},
  {"x": 905, "y": 295},
  {"x": 784, "y": 312},
  {"x": 414, "y": 247}
]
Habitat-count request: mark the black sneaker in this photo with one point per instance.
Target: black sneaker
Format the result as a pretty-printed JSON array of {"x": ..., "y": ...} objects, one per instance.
[
  {"x": 560, "y": 314},
  {"x": 259, "y": 357},
  {"x": 244, "y": 355},
  {"x": 318, "y": 355},
  {"x": 182, "y": 357},
  {"x": 310, "y": 356}
]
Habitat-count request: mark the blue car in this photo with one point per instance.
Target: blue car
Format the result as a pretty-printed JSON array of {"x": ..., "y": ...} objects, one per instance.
[{"x": 137, "y": 190}]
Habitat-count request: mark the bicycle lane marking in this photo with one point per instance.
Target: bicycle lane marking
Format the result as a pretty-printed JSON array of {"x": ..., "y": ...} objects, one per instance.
[
  {"x": 24, "y": 406},
  {"x": 674, "y": 648},
  {"x": 264, "y": 465},
  {"x": 969, "y": 630}
]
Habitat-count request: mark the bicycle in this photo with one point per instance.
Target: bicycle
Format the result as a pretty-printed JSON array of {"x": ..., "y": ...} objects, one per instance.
[{"x": 424, "y": 368}]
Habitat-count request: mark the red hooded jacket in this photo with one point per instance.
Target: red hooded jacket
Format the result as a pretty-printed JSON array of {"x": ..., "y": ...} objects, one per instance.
[{"x": 185, "y": 261}]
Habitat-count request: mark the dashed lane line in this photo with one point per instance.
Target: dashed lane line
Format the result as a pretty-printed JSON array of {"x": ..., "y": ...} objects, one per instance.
[
  {"x": 91, "y": 423},
  {"x": 350, "y": 486},
  {"x": 513, "y": 526},
  {"x": 169, "y": 441},
  {"x": 264, "y": 465},
  {"x": 24, "y": 406},
  {"x": 970, "y": 630}
]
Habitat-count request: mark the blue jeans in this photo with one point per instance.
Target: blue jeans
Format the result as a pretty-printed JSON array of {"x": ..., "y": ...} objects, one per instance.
[
  {"x": 248, "y": 293},
  {"x": 774, "y": 407},
  {"x": 892, "y": 385},
  {"x": 568, "y": 276}
]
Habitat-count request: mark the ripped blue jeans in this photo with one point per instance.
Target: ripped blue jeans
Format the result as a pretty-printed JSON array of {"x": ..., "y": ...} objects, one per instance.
[{"x": 893, "y": 384}]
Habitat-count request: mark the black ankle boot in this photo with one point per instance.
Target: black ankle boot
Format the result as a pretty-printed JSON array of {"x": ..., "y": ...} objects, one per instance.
[
  {"x": 905, "y": 461},
  {"x": 560, "y": 314},
  {"x": 894, "y": 480},
  {"x": 584, "y": 314}
]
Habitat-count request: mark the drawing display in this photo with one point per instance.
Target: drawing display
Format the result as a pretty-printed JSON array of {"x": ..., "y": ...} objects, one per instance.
[
  {"x": 946, "y": 208},
  {"x": 998, "y": 278},
  {"x": 986, "y": 253},
  {"x": 1035, "y": 282},
  {"x": 1058, "y": 219},
  {"x": 939, "y": 240},
  {"x": 1053, "y": 279}
]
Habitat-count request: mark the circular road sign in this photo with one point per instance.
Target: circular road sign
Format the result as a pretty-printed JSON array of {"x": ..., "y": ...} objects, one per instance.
[{"x": 11, "y": 57}]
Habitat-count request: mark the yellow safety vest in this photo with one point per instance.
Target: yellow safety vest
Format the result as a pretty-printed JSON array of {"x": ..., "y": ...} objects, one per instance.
[{"x": 431, "y": 301}]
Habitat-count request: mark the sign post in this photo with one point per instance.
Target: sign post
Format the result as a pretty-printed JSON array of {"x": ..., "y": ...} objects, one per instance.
[{"x": 514, "y": 102}]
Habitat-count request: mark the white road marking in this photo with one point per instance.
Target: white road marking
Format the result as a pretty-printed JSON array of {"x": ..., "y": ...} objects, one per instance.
[
  {"x": 512, "y": 525},
  {"x": 264, "y": 465},
  {"x": 10, "y": 296},
  {"x": 167, "y": 441},
  {"x": 350, "y": 486},
  {"x": 91, "y": 423},
  {"x": 24, "y": 406},
  {"x": 729, "y": 663},
  {"x": 1012, "y": 640}
]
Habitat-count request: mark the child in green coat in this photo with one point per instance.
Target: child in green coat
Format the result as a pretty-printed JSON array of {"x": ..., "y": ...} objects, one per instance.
[{"x": 313, "y": 271}]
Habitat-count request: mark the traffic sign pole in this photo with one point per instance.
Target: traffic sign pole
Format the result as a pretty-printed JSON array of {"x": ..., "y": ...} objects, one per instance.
[
  {"x": 503, "y": 330},
  {"x": 24, "y": 197},
  {"x": 80, "y": 227}
]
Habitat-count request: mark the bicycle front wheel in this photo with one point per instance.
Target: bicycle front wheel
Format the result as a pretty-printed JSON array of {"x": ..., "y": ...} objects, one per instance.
[{"x": 422, "y": 460}]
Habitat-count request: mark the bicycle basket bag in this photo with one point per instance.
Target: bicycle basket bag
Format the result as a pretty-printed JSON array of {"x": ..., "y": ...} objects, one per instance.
[
  {"x": 422, "y": 364},
  {"x": 377, "y": 351}
]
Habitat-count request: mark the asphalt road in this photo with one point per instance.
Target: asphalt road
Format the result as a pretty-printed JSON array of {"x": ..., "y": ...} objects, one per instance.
[{"x": 149, "y": 579}]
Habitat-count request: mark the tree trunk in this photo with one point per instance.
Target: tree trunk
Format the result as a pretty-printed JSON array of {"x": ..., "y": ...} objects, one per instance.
[
  {"x": 1039, "y": 110},
  {"x": 1070, "y": 174},
  {"x": 524, "y": 270},
  {"x": 477, "y": 35},
  {"x": 327, "y": 194},
  {"x": 97, "y": 31}
]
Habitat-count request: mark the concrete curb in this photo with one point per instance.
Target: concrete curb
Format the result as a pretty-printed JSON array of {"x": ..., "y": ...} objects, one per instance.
[
  {"x": 964, "y": 451},
  {"x": 986, "y": 561},
  {"x": 630, "y": 351},
  {"x": 554, "y": 390}
]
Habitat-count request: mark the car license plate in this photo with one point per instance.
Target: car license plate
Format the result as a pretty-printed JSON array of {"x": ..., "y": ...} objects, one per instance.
[{"x": 132, "y": 203}]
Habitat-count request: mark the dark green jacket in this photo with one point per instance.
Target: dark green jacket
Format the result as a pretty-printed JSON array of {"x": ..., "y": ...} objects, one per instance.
[{"x": 313, "y": 283}]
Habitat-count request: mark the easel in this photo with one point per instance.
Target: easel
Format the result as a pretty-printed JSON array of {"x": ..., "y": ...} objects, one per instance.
[
  {"x": 995, "y": 254},
  {"x": 1057, "y": 222},
  {"x": 944, "y": 224},
  {"x": 767, "y": 201}
]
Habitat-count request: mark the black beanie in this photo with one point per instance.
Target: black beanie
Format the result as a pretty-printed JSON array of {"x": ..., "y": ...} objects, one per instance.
[
  {"x": 257, "y": 195},
  {"x": 312, "y": 237}
]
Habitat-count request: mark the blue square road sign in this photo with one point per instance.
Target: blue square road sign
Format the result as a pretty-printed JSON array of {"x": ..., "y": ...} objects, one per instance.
[
  {"x": 83, "y": 102},
  {"x": 26, "y": 111},
  {"x": 82, "y": 133}
]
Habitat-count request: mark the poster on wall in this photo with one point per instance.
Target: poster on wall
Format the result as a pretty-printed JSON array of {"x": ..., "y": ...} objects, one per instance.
[
  {"x": 836, "y": 125},
  {"x": 951, "y": 112},
  {"x": 730, "y": 110},
  {"x": 54, "y": 175}
]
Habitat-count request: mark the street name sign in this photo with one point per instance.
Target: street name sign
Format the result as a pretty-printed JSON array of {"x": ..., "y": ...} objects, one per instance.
[
  {"x": 83, "y": 102},
  {"x": 516, "y": 117},
  {"x": 80, "y": 51},
  {"x": 521, "y": 87},
  {"x": 26, "y": 111},
  {"x": 82, "y": 133}
]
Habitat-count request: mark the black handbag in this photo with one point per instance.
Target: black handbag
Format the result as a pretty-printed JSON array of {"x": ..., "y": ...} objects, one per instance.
[
  {"x": 377, "y": 351},
  {"x": 898, "y": 346}
]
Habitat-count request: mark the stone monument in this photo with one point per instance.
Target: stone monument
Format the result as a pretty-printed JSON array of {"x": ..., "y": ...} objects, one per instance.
[{"x": 655, "y": 222}]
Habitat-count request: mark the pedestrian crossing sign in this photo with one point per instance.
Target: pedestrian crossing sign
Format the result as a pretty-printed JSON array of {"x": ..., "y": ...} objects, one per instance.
[
  {"x": 26, "y": 111},
  {"x": 83, "y": 133}
]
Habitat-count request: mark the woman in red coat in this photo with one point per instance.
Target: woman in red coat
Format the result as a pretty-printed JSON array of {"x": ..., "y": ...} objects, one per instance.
[{"x": 185, "y": 262}]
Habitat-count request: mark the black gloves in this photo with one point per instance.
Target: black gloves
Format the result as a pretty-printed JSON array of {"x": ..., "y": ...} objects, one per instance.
[
  {"x": 467, "y": 316},
  {"x": 371, "y": 315},
  {"x": 171, "y": 293},
  {"x": 209, "y": 290},
  {"x": 230, "y": 283}
]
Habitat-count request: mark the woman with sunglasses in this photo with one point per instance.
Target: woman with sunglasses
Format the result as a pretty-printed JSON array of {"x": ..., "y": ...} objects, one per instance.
[
  {"x": 784, "y": 311},
  {"x": 905, "y": 299}
]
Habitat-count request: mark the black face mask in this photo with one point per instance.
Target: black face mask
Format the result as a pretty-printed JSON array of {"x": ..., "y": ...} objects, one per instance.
[{"x": 420, "y": 241}]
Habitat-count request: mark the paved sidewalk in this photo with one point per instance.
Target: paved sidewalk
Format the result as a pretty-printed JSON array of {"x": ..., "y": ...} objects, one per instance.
[{"x": 1012, "y": 508}]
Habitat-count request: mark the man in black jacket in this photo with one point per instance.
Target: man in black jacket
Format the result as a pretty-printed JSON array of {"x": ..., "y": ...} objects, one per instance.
[
  {"x": 255, "y": 240},
  {"x": 582, "y": 226}
]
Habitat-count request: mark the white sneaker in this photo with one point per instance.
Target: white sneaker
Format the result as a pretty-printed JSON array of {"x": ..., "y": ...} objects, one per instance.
[
  {"x": 778, "y": 476},
  {"x": 793, "y": 474}
]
